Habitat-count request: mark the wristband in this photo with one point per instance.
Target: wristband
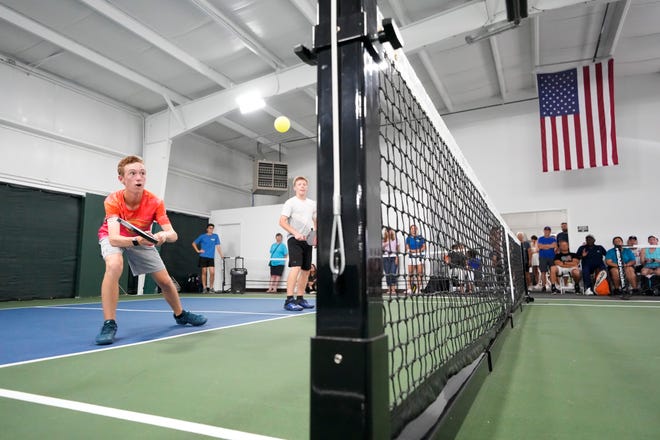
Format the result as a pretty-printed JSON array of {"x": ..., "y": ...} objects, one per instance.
[{"x": 135, "y": 242}]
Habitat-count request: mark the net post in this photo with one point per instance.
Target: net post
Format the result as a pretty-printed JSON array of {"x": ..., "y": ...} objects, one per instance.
[{"x": 349, "y": 357}]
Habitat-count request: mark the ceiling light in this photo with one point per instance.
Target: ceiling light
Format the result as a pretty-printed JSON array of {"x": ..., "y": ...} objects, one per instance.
[{"x": 250, "y": 102}]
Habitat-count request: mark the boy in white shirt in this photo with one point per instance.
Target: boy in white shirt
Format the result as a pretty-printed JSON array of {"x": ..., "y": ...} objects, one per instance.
[{"x": 299, "y": 220}]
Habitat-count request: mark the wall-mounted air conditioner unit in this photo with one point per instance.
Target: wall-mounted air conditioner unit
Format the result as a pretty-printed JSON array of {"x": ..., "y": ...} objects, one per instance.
[{"x": 270, "y": 178}]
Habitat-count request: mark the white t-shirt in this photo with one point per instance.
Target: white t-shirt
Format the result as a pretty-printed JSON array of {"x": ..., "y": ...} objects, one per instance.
[{"x": 301, "y": 214}]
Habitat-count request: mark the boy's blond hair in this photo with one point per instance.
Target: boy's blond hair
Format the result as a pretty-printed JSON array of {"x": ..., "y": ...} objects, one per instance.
[{"x": 127, "y": 161}]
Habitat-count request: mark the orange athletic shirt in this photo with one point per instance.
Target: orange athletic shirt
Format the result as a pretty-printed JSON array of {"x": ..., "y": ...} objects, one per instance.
[{"x": 151, "y": 209}]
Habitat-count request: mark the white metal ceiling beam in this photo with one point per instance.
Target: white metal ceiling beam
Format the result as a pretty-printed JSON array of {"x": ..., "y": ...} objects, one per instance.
[
  {"x": 536, "y": 48},
  {"x": 296, "y": 126},
  {"x": 493, "y": 9},
  {"x": 416, "y": 35},
  {"x": 253, "y": 45},
  {"x": 142, "y": 31},
  {"x": 425, "y": 59},
  {"x": 306, "y": 9},
  {"x": 617, "y": 13},
  {"x": 161, "y": 43},
  {"x": 497, "y": 62},
  {"x": 467, "y": 18},
  {"x": 71, "y": 46},
  {"x": 207, "y": 109},
  {"x": 435, "y": 79},
  {"x": 242, "y": 130},
  {"x": 250, "y": 42}
]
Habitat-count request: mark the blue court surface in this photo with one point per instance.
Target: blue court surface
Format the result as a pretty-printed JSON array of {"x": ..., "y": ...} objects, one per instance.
[{"x": 33, "y": 333}]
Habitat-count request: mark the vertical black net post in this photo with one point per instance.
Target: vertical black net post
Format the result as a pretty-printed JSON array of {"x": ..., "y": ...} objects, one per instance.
[
  {"x": 349, "y": 360},
  {"x": 518, "y": 270}
]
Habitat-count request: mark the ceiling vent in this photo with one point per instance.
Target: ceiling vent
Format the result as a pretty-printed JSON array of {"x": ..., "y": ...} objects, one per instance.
[{"x": 270, "y": 178}]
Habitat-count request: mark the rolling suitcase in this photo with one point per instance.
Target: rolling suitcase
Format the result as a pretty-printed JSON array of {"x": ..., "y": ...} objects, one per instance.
[{"x": 238, "y": 275}]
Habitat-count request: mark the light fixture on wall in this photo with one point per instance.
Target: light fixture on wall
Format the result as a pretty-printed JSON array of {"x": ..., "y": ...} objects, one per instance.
[{"x": 250, "y": 101}]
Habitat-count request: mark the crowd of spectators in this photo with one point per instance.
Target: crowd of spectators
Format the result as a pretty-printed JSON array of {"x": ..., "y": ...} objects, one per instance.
[{"x": 550, "y": 265}]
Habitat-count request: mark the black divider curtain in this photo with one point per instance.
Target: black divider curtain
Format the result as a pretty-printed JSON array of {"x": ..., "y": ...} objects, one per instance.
[
  {"x": 38, "y": 243},
  {"x": 180, "y": 257}
]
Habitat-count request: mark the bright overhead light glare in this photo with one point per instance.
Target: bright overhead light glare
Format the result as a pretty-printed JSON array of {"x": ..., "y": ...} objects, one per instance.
[
  {"x": 250, "y": 102},
  {"x": 487, "y": 32}
]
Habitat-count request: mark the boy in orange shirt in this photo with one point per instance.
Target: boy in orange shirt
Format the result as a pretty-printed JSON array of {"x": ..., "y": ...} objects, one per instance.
[{"x": 140, "y": 208}]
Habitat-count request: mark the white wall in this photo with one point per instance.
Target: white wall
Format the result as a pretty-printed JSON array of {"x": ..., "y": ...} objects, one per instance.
[
  {"x": 205, "y": 176},
  {"x": 56, "y": 136},
  {"x": 302, "y": 162},
  {"x": 503, "y": 146},
  {"x": 253, "y": 231}
]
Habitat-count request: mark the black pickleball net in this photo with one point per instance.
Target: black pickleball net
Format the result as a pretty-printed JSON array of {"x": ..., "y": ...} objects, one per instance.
[{"x": 441, "y": 320}]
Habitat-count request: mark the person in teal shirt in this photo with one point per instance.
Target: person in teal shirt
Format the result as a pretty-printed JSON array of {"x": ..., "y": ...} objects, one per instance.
[
  {"x": 628, "y": 263},
  {"x": 278, "y": 254}
]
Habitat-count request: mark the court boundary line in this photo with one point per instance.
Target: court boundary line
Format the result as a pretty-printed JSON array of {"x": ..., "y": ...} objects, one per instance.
[
  {"x": 133, "y": 416},
  {"x": 117, "y": 347},
  {"x": 96, "y": 309},
  {"x": 135, "y": 298},
  {"x": 621, "y": 304}
]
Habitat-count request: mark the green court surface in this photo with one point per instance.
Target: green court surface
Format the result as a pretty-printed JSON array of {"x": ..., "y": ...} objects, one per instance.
[
  {"x": 573, "y": 369},
  {"x": 251, "y": 378},
  {"x": 569, "y": 369}
]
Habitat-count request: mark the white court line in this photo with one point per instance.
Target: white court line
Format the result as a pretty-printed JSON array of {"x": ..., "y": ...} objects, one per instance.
[
  {"x": 147, "y": 419},
  {"x": 116, "y": 347},
  {"x": 96, "y": 309},
  {"x": 617, "y": 305}
]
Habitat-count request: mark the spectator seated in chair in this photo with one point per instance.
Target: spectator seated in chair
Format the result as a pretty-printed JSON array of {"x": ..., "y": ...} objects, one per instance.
[
  {"x": 566, "y": 263},
  {"x": 457, "y": 265},
  {"x": 628, "y": 264},
  {"x": 650, "y": 259},
  {"x": 591, "y": 256}
]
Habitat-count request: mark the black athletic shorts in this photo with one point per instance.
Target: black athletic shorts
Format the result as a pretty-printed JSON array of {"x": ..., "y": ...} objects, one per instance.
[
  {"x": 277, "y": 270},
  {"x": 300, "y": 253},
  {"x": 206, "y": 262}
]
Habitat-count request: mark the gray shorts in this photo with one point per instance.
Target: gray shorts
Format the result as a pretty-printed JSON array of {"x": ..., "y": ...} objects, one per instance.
[
  {"x": 545, "y": 263},
  {"x": 141, "y": 259}
]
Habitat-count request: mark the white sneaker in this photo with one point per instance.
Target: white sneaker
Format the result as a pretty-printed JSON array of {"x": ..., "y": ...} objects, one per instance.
[{"x": 589, "y": 291}]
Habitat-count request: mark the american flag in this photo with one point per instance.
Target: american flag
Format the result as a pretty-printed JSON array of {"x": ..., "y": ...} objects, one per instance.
[{"x": 577, "y": 117}]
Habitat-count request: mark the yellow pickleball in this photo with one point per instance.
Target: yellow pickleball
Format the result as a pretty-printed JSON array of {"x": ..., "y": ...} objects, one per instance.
[{"x": 282, "y": 124}]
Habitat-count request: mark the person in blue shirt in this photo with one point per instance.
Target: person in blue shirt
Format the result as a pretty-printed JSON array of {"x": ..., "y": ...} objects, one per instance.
[
  {"x": 206, "y": 246},
  {"x": 278, "y": 254},
  {"x": 628, "y": 263},
  {"x": 547, "y": 245},
  {"x": 591, "y": 256},
  {"x": 416, "y": 251}
]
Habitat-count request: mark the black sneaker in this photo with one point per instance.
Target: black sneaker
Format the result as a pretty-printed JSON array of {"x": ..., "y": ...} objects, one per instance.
[
  {"x": 108, "y": 331},
  {"x": 554, "y": 290},
  {"x": 577, "y": 290}
]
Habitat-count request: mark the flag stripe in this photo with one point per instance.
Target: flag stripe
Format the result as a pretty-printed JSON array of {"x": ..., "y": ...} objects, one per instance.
[
  {"x": 555, "y": 144},
  {"x": 544, "y": 150},
  {"x": 601, "y": 112},
  {"x": 578, "y": 141},
  {"x": 567, "y": 142},
  {"x": 610, "y": 77},
  {"x": 588, "y": 116}
]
